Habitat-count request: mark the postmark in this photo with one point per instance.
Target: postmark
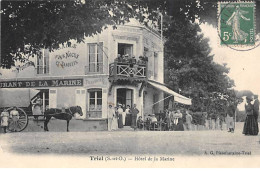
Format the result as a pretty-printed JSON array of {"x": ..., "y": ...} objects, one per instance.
[{"x": 236, "y": 25}]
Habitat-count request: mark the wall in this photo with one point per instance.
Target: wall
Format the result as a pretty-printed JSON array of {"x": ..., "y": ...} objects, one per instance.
[{"x": 68, "y": 61}]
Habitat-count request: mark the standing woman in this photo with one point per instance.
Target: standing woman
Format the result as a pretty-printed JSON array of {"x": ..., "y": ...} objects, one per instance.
[
  {"x": 251, "y": 125},
  {"x": 4, "y": 119},
  {"x": 120, "y": 116},
  {"x": 111, "y": 113},
  {"x": 114, "y": 125},
  {"x": 128, "y": 117},
  {"x": 179, "y": 126},
  {"x": 124, "y": 114}
]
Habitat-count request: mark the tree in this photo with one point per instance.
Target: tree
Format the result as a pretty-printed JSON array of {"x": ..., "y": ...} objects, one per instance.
[
  {"x": 47, "y": 24},
  {"x": 191, "y": 69}
]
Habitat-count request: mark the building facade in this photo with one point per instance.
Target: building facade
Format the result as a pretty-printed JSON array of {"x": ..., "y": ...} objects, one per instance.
[{"x": 90, "y": 74}]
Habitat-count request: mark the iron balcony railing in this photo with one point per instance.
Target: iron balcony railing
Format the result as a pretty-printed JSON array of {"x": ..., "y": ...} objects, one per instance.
[{"x": 126, "y": 70}]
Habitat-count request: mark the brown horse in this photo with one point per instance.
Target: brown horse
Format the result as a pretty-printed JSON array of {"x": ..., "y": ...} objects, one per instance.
[{"x": 60, "y": 114}]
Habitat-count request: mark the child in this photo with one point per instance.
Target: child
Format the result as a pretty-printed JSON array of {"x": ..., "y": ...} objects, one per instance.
[
  {"x": 140, "y": 122},
  {"x": 4, "y": 119}
]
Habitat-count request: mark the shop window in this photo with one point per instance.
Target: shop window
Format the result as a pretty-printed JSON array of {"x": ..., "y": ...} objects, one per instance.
[
  {"x": 124, "y": 49},
  {"x": 42, "y": 66},
  {"x": 95, "y": 103},
  {"x": 95, "y": 58}
]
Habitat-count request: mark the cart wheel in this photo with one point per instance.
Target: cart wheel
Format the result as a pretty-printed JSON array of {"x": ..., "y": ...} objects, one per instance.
[{"x": 18, "y": 124}]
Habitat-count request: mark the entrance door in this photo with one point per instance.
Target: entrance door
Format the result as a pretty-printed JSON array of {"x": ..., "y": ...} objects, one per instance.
[
  {"x": 125, "y": 96},
  {"x": 81, "y": 99}
]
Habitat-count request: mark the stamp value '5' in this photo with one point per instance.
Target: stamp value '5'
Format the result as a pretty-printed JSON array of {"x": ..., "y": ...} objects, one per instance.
[{"x": 236, "y": 23}]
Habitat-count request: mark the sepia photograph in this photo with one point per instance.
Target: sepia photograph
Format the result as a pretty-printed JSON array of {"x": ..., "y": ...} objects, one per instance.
[{"x": 129, "y": 84}]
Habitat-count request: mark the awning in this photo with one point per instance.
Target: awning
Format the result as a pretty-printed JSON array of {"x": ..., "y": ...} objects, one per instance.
[{"x": 177, "y": 97}]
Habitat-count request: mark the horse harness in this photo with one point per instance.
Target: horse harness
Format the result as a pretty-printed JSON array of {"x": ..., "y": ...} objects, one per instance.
[{"x": 55, "y": 110}]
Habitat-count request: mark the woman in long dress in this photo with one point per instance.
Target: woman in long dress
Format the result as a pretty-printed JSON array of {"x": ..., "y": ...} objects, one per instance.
[
  {"x": 251, "y": 125},
  {"x": 120, "y": 116},
  {"x": 179, "y": 124},
  {"x": 4, "y": 119},
  {"x": 114, "y": 125},
  {"x": 111, "y": 113},
  {"x": 128, "y": 116},
  {"x": 234, "y": 21}
]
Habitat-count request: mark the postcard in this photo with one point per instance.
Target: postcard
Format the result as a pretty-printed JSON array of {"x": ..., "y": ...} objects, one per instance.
[{"x": 129, "y": 84}]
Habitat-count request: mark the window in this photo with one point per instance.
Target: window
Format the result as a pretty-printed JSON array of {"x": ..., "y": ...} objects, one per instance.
[
  {"x": 155, "y": 65},
  {"x": 95, "y": 58},
  {"x": 124, "y": 49},
  {"x": 95, "y": 103},
  {"x": 43, "y": 62}
]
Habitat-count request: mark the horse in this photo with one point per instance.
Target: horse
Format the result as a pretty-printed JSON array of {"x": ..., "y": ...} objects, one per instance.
[{"x": 61, "y": 114}]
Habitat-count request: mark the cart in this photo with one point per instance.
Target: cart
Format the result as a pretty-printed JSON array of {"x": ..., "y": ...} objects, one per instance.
[{"x": 22, "y": 102}]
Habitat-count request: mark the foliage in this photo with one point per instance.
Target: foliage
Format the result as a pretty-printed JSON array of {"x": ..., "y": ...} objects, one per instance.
[
  {"x": 192, "y": 71},
  {"x": 47, "y": 24}
]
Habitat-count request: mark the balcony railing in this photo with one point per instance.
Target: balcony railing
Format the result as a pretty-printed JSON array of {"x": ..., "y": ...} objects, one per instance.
[{"x": 127, "y": 71}]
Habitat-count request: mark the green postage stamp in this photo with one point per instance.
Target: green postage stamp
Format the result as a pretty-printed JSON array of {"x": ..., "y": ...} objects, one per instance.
[{"x": 236, "y": 23}]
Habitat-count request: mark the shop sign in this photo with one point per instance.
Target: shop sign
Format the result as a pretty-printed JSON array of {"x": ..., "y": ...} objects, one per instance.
[
  {"x": 68, "y": 59},
  {"x": 42, "y": 83},
  {"x": 96, "y": 81}
]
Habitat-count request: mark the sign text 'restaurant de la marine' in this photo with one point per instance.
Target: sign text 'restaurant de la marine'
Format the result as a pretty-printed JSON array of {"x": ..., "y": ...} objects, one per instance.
[{"x": 42, "y": 83}]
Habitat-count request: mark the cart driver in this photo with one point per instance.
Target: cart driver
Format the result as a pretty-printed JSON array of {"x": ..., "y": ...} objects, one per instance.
[
  {"x": 37, "y": 101},
  {"x": 37, "y": 105}
]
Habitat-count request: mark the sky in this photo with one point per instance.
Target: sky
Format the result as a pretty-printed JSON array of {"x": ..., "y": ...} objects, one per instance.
[{"x": 244, "y": 65}]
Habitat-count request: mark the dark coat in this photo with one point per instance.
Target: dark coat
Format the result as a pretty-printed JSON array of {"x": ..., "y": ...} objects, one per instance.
[
  {"x": 256, "y": 105},
  {"x": 134, "y": 111},
  {"x": 231, "y": 110}
]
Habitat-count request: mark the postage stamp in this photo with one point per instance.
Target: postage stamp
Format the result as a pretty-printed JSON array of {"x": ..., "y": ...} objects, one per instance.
[{"x": 236, "y": 23}]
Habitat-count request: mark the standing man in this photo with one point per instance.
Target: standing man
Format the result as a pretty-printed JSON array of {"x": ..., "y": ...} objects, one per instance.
[
  {"x": 230, "y": 117},
  {"x": 134, "y": 112},
  {"x": 256, "y": 107}
]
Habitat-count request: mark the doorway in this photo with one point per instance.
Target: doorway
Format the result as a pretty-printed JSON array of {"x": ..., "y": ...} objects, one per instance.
[{"x": 125, "y": 96}]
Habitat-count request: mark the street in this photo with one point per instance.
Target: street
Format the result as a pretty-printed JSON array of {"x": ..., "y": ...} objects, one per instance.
[{"x": 130, "y": 142}]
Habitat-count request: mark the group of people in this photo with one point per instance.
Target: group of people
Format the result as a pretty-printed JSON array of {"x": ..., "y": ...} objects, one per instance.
[
  {"x": 170, "y": 120},
  {"x": 176, "y": 120},
  {"x": 121, "y": 116},
  {"x": 6, "y": 118},
  {"x": 131, "y": 60}
]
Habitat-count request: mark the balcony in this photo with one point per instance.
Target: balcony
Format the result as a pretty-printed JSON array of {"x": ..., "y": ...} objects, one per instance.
[{"x": 126, "y": 71}]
